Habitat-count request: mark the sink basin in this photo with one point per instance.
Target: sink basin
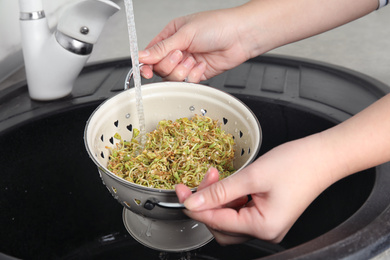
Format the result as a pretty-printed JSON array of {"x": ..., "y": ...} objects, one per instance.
[{"x": 54, "y": 206}]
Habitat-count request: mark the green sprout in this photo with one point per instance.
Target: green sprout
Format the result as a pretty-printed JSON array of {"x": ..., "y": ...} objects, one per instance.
[{"x": 179, "y": 151}]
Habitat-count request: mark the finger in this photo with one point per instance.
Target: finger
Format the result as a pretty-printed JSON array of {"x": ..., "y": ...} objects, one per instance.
[
  {"x": 182, "y": 192},
  {"x": 182, "y": 70},
  {"x": 224, "y": 191},
  {"x": 197, "y": 73},
  {"x": 155, "y": 53},
  {"x": 168, "y": 64},
  {"x": 246, "y": 221},
  {"x": 162, "y": 49},
  {"x": 211, "y": 176},
  {"x": 146, "y": 71}
]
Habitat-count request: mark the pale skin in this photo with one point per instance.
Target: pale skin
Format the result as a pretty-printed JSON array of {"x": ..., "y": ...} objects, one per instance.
[{"x": 285, "y": 180}]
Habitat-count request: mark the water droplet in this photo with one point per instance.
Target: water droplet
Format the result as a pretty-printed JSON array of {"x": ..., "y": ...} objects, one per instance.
[
  {"x": 128, "y": 115},
  {"x": 195, "y": 226},
  {"x": 192, "y": 108},
  {"x": 108, "y": 238}
]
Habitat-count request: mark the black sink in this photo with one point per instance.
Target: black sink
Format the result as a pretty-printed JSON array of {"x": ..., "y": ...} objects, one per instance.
[{"x": 54, "y": 206}]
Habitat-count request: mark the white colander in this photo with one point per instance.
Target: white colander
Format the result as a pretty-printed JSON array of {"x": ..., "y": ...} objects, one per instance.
[{"x": 153, "y": 216}]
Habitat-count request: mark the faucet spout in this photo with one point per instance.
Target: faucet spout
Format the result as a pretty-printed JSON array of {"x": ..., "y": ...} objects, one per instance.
[{"x": 54, "y": 60}]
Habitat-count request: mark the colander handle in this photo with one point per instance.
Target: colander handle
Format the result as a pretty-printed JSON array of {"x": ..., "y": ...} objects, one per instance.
[
  {"x": 150, "y": 204},
  {"x": 129, "y": 76},
  {"x": 171, "y": 205}
]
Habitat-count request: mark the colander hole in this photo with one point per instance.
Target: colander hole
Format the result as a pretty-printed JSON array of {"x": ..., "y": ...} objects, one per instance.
[
  {"x": 127, "y": 204},
  {"x": 137, "y": 201},
  {"x": 114, "y": 189},
  {"x": 203, "y": 111},
  {"x": 116, "y": 123},
  {"x": 102, "y": 155},
  {"x": 225, "y": 121},
  {"x": 112, "y": 140},
  {"x": 130, "y": 127},
  {"x": 102, "y": 138},
  {"x": 242, "y": 152},
  {"x": 249, "y": 150},
  {"x": 241, "y": 134}
]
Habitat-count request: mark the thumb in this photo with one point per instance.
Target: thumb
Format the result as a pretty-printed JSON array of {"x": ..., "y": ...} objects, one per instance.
[
  {"x": 220, "y": 193},
  {"x": 161, "y": 49},
  {"x": 183, "y": 192}
]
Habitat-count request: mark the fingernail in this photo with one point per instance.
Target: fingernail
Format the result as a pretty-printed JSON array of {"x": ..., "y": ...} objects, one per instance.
[
  {"x": 176, "y": 56},
  {"x": 207, "y": 174},
  {"x": 194, "y": 202},
  {"x": 145, "y": 75},
  {"x": 143, "y": 54}
]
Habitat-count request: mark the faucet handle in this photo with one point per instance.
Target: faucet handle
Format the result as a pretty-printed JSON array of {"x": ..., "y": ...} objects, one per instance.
[{"x": 84, "y": 21}]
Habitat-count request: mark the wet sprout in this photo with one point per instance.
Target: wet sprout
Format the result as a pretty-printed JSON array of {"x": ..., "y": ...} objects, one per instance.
[{"x": 176, "y": 152}]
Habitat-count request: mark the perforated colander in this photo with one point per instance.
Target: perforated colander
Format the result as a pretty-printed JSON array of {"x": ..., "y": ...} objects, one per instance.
[
  {"x": 169, "y": 101},
  {"x": 152, "y": 216}
]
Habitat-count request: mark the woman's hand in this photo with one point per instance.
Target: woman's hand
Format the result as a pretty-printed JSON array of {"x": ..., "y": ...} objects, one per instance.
[
  {"x": 197, "y": 47},
  {"x": 282, "y": 183}
]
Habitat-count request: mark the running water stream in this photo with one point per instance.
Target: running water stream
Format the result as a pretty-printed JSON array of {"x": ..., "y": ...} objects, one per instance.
[
  {"x": 136, "y": 70},
  {"x": 138, "y": 96}
]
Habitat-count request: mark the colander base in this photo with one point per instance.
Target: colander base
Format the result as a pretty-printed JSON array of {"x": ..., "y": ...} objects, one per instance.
[{"x": 167, "y": 236}]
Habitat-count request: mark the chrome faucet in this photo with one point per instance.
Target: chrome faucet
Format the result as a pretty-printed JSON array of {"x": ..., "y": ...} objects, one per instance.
[{"x": 53, "y": 60}]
